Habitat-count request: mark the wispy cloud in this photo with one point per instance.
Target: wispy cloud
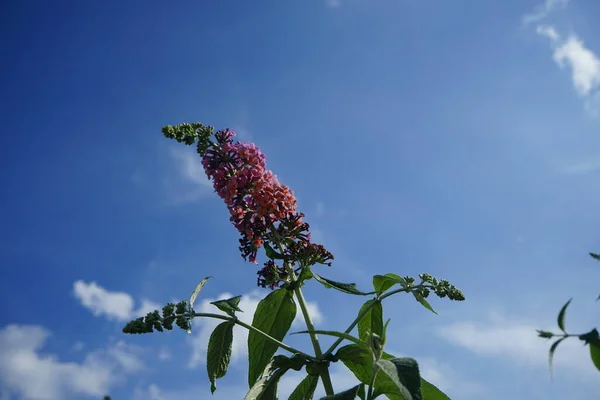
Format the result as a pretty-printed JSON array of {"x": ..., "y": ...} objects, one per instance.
[
  {"x": 583, "y": 63},
  {"x": 542, "y": 11},
  {"x": 26, "y": 371},
  {"x": 515, "y": 340},
  {"x": 187, "y": 181},
  {"x": 113, "y": 305}
]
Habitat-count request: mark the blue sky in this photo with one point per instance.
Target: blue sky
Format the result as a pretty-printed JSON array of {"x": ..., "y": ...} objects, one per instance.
[{"x": 457, "y": 138}]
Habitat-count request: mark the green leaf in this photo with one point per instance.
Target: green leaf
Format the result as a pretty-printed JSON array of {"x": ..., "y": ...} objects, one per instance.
[
  {"x": 595, "y": 353},
  {"x": 551, "y": 353},
  {"x": 274, "y": 316},
  {"x": 306, "y": 389},
  {"x": 424, "y": 302},
  {"x": 349, "y": 288},
  {"x": 359, "y": 361},
  {"x": 404, "y": 372},
  {"x": 259, "y": 387},
  {"x": 272, "y": 253},
  {"x": 596, "y": 256},
  {"x": 229, "y": 306},
  {"x": 397, "y": 278},
  {"x": 218, "y": 353},
  {"x": 306, "y": 274},
  {"x": 561, "y": 316},
  {"x": 196, "y": 292},
  {"x": 431, "y": 392},
  {"x": 349, "y": 394},
  {"x": 381, "y": 283},
  {"x": 372, "y": 321}
]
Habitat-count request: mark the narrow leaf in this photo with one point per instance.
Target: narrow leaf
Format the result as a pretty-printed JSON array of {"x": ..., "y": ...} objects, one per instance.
[
  {"x": 404, "y": 372},
  {"x": 595, "y": 353},
  {"x": 274, "y": 315},
  {"x": 551, "y": 353},
  {"x": 596, "y": 256},
  {"x": 196, "y": 292},
  {"x": 561, "y": 316},
  {"x": 271, "y": 253},
  {"x": 381, "y": 283},
  {"x": 229, "y": 306},
  {"x": 306, "y": 389},
  {"x": 424, "y": 302},
  {"x": 349, "y": 288},
  {"x": 259, "y": 386},
  {"x": 218, "y": 353},
  {"x": 372, "y": 321},
  {"x": 349, "y": 394}
]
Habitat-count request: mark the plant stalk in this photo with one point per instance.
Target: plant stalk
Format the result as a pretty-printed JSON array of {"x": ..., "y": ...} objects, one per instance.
[
  {"x": 323, "y": 371},
  {"x": 254, "y": 329}
]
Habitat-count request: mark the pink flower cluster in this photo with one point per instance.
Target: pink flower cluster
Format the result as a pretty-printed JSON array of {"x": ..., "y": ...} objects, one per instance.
[{"x": 253, "y": 195}]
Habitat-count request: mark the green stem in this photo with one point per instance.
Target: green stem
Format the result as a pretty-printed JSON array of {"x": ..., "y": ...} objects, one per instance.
[
  {"x": 372, "y": 384},
  {"x": 324, "y": 371},
  {"x": 254, "y": 329},
  {"x": 367, "y": 309}
]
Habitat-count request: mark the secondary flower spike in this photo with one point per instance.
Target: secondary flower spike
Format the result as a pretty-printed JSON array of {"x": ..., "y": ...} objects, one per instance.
[{"x": 255, "y": 198}]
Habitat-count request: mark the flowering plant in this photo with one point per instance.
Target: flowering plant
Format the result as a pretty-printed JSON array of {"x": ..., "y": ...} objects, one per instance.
[{"x": 264, "y": 212}]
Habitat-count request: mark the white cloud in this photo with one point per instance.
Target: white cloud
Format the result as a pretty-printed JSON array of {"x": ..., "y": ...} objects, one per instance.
[
  {"x": 24, "y": 370},
  {"x": 543, "y": 10},
  {"x": 548, "y": 31},
  {"x": 585, "y": 65},
  {"x": 190, "y": 165},
  {"x": 113, "y": 305},
  {"x": 515, "y": 340},
  {"x": 203, "y": 327},
  {"x": 185, "y": 180}
]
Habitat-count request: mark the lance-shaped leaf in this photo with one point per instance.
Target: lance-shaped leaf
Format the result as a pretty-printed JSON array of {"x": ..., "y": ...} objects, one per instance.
[
  {"x": 271, "y": 253},
  {"x": 381, "y": 283},
  {"x": 551, "y": 353},
  {"x": 265, "y": 387},
  {"x": 349, "y": 394},
  {"x": 274, "y": 316},
  {"x": 372, "y": 321},
  {"x": 404, "y": 372},
  {"x": 306, "y": 389},
  {"x": 349, "y": 288},
  {"x": 193, "y": 297},
  {"x": 561, "y": 316},
  {"x": 196, "y": 291},
  {"x": 218, "y": 353},
  {"x": 229, "y": 306},
  {"x": 424, "y": 302},
  {"x": 595, "y": 353}
]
